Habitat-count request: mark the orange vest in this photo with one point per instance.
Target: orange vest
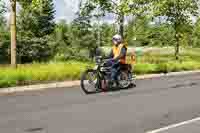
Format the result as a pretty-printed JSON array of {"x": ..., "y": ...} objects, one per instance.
[{"x": 117, "y": 51}]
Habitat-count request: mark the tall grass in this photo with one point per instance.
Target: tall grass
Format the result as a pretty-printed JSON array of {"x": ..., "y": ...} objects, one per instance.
[
  {"x": 152, "y": 62},
  {"x": 37, "y": 73},
  {"x": 148, "y": 63}
]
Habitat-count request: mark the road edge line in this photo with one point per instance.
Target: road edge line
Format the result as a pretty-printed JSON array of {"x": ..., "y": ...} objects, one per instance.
[{"x": 174, "y": 125}]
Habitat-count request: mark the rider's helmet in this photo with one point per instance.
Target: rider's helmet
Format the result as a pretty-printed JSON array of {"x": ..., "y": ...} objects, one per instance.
[{"x": 117, "y": 39}]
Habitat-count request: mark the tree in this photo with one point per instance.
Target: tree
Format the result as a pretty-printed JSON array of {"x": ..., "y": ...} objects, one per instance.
[
  {"x": 37, "y": 16},
  {"x": 84, "y": 35},
  {"x": 145, "y": 31},
  {"x": 196, "y": 34},
  {"x": 106, "y": 32},
  {"x": 35, "y": 25},
  {"x": 2, "y": 18},
  {"x": 162, "y": 35},
  {"x": 139, "y": 31},
  {"x": 4, "y": 36},
  {"x": 62, "y": 38},
  {"x": 13, "y": 33},
  {"x": 178, "y": 13},
  {"x": 2, "y": 11},
  {"x": 120, "y": 8},
  {"x": 70, "y": 39}
]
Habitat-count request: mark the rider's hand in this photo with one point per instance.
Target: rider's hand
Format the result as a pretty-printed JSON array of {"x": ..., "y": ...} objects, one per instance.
[
  {"x": 114, "y": 60},
  {"x": 110, "y": 62}
]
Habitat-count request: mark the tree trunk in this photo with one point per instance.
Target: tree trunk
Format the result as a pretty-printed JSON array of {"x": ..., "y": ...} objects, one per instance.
[
  {"x": 177, "y": 49},
  {"x": 13, "y": 33},
  {"x": 177, "y": 46},
  {"x": 121, "y": 25}
]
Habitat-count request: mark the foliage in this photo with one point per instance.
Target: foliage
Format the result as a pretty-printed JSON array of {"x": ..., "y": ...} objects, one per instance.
[
  {"x": 119, "y": 8},
  {"x": 106, "y": 33},
  {"x": 142, "y": 31},
  {"x": 178, "y": 13},
  {"x": 138, "y": 31},
  {"x": 4, "y": 36},
  {"x": 39, "y": 38},
  {"x": 70, "y": 39},
  {"x": 34, "y": 49},
  {"x": 2, "y": 11},
  {"x": 195, "y": 38},
  {"x": 36, "y": 23}
]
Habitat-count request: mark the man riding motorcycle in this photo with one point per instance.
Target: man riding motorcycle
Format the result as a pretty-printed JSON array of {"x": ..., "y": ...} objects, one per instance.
[
  {"x": 112, "y": 72},
  {"x": 118, "y": 57}
]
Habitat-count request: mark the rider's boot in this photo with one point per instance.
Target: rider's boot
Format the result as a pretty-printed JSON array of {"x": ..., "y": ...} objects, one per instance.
[{"x": 115, "y": 84}]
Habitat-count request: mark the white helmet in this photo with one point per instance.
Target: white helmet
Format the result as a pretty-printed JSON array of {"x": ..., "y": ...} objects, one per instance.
[{"x": 117, "y": 38}]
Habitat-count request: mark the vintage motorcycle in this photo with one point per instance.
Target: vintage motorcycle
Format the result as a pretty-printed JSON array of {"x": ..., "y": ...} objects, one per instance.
[{"x": 98, "y": 79}]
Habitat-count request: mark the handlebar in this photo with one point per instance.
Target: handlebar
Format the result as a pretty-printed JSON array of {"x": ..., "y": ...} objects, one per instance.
[{"x": 100, "y": 59}]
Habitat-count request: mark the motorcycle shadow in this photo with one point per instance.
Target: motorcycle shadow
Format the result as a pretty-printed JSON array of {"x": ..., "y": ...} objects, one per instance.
[{"x": 115, "y": 89}]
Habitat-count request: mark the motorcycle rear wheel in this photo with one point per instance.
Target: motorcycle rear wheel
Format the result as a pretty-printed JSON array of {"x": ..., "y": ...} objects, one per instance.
[{"x": 123, "y": 80}]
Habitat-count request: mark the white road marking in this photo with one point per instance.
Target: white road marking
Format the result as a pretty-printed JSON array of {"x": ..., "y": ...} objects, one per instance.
[{"x": 174, "y": 126}]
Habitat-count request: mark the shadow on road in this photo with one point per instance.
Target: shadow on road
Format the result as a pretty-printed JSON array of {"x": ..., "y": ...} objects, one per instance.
[{"x": 116, "y": 89}]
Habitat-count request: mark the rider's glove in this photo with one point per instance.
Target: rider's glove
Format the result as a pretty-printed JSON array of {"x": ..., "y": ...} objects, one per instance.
[{"x": 110, "y": 62}]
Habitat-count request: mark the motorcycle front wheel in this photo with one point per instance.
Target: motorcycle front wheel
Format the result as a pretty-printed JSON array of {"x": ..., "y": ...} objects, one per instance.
[{"x": 89, "y": 81}]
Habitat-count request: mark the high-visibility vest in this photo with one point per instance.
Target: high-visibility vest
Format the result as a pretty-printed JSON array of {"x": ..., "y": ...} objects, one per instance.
[{"x": 117, "y": 51}]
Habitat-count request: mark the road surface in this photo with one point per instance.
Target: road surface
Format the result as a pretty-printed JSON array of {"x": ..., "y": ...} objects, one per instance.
[{"x": 154, "y": 104}]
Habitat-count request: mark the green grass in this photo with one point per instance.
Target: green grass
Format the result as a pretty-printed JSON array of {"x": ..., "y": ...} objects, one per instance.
[
  {"x": 142, "y": 68},
  {"x": 164, "y": 61},
  {"x": 159, "y": 61},
  {"x": 38, "y": 73},
  {"x": 150, "y": 62}
]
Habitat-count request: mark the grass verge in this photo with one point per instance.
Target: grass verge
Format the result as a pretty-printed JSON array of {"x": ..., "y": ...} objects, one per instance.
[
  {"x": 149, "y": 63},
  {"x": 41, "y": 73}
]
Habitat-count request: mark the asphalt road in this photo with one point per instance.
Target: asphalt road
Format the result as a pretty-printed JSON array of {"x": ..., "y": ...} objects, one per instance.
[
  {"x": 153, "y": 104},
  {"x": 188, "y": 128}
]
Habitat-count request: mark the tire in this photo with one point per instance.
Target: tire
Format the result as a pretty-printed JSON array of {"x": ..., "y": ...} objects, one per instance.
[
  {"x": 91, "y": 81},
  {"x": 133, "y": 82},
  {"x": 124, "y": 81}
]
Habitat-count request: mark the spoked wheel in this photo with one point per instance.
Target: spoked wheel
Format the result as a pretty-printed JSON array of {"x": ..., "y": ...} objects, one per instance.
[
  {"x": 124, "y": 81},
  {"x": 133, "y": 81},
  {"x": 89, "y": 82}
]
